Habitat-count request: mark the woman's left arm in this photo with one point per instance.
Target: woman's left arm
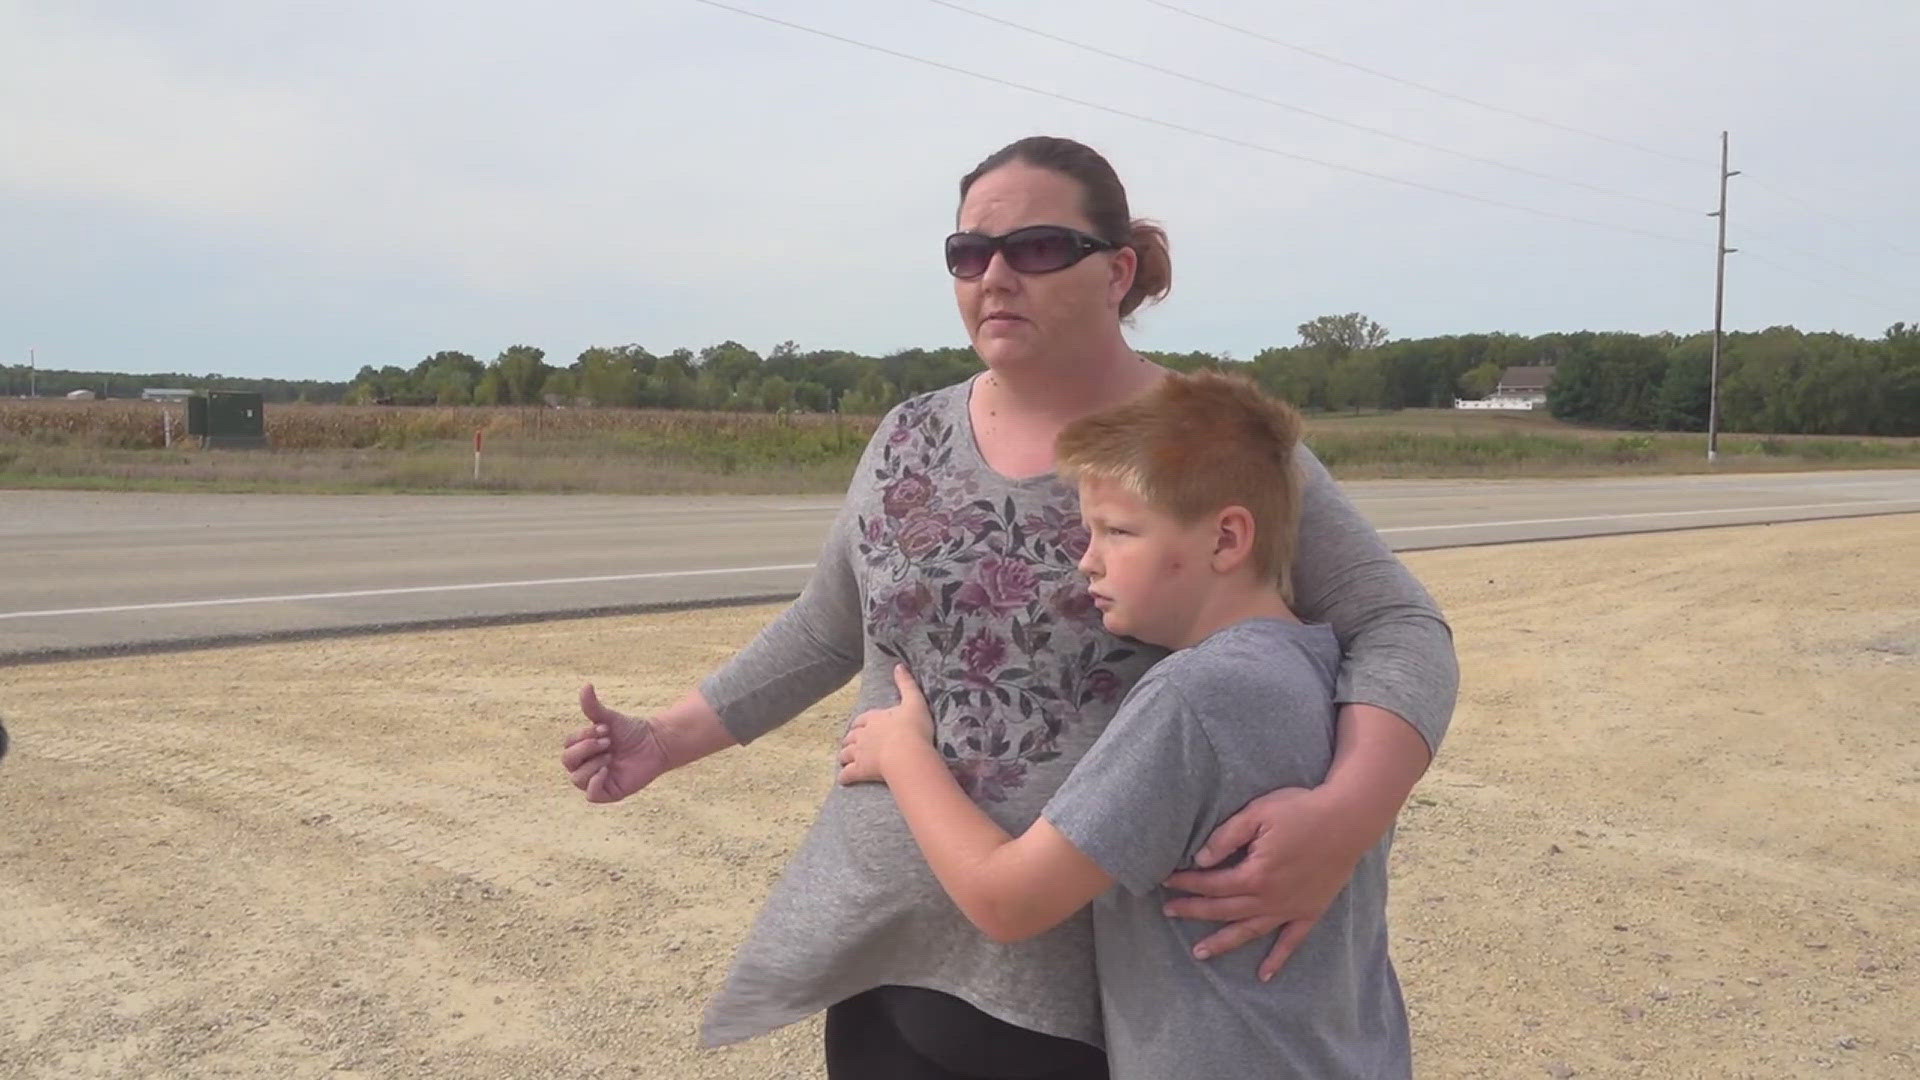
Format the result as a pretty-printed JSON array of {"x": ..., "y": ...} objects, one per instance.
[{"x": 1396, "y": 694}]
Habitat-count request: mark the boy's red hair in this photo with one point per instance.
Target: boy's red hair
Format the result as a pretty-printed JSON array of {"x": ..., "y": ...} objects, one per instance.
[{"x": 1195, "y": 445}]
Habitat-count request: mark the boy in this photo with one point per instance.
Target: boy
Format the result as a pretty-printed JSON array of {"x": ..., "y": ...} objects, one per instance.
[{"x": 1191, "y": 500}]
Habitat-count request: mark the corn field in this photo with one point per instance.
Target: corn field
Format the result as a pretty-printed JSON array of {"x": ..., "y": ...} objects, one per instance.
[
  {"x": 133, "y": 425},
  {"x": 342, "y": 448}
]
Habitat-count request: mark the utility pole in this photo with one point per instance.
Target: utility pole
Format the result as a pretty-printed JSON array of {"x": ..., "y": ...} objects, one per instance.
[
  {"x": 30, "y": 369},
  {"x": 1719, "y": 304}
]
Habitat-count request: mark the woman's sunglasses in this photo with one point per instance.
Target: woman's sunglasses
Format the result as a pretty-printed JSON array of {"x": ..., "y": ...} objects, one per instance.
[{"x": 1036, "y": 249}]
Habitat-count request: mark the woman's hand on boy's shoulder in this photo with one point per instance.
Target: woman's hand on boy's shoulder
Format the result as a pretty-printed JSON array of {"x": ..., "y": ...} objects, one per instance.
[{"x": 879, "y": 734}]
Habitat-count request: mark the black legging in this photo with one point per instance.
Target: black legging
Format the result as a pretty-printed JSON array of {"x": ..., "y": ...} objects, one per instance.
[{"x": 907, "y": 1033}]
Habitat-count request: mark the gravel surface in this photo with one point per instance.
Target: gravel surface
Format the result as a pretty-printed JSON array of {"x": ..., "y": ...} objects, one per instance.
[{"x": 1671, "y": 835}]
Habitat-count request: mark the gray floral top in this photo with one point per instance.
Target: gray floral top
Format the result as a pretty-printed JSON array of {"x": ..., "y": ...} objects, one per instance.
[
  {"x": 969, "y": 578},
  {"x": 978, "y": 595}
]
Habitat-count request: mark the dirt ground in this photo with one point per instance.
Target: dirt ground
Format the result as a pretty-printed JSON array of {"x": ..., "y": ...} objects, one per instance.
[{"x": 1672, "y": 835}]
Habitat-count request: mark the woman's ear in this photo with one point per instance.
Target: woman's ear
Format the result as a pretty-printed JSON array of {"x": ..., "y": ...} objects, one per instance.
[
  {"x": 1232, "y": 539},
  {"x": 1122, "y": 267}
]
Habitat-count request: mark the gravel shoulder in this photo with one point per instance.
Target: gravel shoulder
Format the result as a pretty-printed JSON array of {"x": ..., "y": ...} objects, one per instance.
[{"x": 1671, "y": 835}]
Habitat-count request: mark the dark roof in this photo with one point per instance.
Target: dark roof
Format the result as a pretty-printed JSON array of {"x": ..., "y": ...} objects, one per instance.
[{"x": 1527, "y": 377}]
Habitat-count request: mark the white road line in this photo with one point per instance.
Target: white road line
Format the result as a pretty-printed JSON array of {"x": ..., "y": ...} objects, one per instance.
[
  {"x": 1851, "y": 503},
  {"x": 295, "y": 597},
  {"x": 662, "y": 574}
]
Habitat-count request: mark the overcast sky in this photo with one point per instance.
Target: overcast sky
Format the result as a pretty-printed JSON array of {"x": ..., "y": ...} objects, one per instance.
[{"x": 295, "y": 190}]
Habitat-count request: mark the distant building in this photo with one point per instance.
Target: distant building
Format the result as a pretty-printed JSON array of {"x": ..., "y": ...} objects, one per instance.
[
  {"x": 165, "y": 395},
  {"x": 1528, "y": 381},
  {"x": 81, "y": 395},
  {"x": 1522, "y": 388}
]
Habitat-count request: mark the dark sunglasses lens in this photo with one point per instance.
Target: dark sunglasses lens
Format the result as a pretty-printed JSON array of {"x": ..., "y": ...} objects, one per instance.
[
  {"x": 968, "y": 256},
  {"x": 1041, "y": 251}
]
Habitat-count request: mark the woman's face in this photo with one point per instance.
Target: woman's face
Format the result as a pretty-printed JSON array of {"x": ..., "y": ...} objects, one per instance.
[{"x": 1030, "y": 320}]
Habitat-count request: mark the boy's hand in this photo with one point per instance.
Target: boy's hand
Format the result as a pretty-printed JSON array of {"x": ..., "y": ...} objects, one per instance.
[{"x": 878, "y": 734}]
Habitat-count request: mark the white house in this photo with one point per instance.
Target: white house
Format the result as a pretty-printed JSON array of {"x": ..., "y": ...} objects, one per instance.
[{"x": 1522, "y": 387}]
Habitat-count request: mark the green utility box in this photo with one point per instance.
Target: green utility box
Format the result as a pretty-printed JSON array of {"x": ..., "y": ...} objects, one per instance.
[{"x": 228, "y": 418}]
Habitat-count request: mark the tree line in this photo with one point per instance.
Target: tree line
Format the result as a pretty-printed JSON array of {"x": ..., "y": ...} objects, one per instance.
[
  {"x": 1780, "y": 380},
  {"x": 726, "y": 377},
  {"x": 19, "y": 381}
]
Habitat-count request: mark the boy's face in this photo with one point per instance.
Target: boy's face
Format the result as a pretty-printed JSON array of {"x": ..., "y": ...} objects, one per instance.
[{"x": 1148, "y": 571}]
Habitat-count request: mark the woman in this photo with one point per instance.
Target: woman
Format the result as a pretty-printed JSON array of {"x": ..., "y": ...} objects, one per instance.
[{"x": 955, "y": 553}]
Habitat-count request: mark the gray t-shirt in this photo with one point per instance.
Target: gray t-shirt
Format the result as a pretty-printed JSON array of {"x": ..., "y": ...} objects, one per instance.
[
  {"x": 1207, "y": 730},
  {"x": 969, "y": 578}
]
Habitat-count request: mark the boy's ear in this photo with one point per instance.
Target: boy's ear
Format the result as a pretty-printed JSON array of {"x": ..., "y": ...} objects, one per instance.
[{"x": 1232, "y": 539}]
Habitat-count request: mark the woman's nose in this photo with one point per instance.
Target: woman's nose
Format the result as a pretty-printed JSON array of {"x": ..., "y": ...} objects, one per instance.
[{"x": 998, "y": 275}]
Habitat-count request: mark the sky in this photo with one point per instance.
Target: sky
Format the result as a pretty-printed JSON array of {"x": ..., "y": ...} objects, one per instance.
[{"x": 295, "y": 190}]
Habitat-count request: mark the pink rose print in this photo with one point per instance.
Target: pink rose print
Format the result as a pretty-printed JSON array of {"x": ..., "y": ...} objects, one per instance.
[
  {"x": 1075, "y": 604},
  {"x": 922, "y": 533},
  {"x": 905, "y": 608},
  {"x": 1074, "y": 542},
  {"x": 1103, "y": 684},
  {"x": 910, "y": 492},
  {"x": 1051, "y": 525},
  {"x": 1001, "y": 586},
  {"x": 986, "y": 780},
  {"x": 984, "y": 653}
]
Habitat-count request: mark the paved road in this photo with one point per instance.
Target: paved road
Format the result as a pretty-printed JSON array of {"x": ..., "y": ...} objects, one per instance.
[{"x": 83, "y": 571}]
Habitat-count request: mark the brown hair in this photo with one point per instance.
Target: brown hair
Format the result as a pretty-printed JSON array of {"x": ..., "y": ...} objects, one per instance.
[
  {"x": 1195, "y": 445},
  {"x": 1104, "y": 202}
]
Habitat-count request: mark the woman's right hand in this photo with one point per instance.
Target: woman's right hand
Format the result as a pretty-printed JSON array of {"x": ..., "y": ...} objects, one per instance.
[{"x": 616, "y": 755}]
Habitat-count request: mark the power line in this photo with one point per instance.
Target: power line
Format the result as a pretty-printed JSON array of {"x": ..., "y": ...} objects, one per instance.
[
  {"x": 1835, "y": 218},
  {"x": 1288, "y": 106},
  {"x": 1782, "y": 247},
  {"x": 1525, "y": 171},
  {"x": 1789, "y": 249},
  {"x": 1822, "y": 212},
  {"x": 1448, "y": 94},
  {"x": 1719, "y": 287},
  {"x": 1201, "y": 132},
  {"x": 1881, "y": 302}
]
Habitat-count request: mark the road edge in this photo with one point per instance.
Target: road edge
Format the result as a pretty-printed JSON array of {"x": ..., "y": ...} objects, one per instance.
[{"x": 61, "y": 654}]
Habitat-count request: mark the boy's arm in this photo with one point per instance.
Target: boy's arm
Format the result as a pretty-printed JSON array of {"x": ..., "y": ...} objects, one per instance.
[{"x": 1011, "y": 888}]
